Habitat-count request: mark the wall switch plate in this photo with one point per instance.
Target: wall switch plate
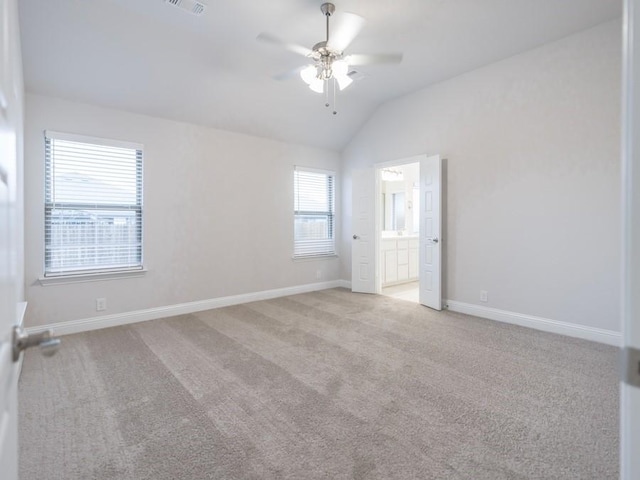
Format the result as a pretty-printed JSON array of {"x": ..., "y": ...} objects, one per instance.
[
  {"x": 101, "y": 304},
  {"x": 484, "y": 296}
]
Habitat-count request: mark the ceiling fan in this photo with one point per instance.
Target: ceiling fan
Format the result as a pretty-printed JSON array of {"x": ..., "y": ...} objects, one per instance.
[{"x": 330, "y": 65}]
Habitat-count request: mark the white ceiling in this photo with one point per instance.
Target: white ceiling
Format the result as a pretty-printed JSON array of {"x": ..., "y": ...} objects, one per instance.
[{"x": 147, "y": 57}]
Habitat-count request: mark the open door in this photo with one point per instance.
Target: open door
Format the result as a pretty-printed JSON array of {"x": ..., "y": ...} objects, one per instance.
[
  {"x": 8, "y": 248},
  {"x": 363, "y": 250},
  {"x": 430, "y": 269},
  {"x": 8, "y": 314},
  {"x": 630, "y": 386}
]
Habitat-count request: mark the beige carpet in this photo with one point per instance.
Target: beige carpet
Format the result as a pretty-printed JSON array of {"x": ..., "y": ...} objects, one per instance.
[{"x": 329, "y": 385}]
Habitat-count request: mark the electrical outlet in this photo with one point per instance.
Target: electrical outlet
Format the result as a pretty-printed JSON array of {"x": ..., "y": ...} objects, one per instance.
[
  {"x": 318, "y": 274},
  {"x": 484, "y": 296},
  {"x": 101, "y": 304}
]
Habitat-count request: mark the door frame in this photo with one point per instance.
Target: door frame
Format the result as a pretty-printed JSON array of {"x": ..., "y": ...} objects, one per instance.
[
  {"x": 630, "y": 324},
  {"x": 377, "y": 213}
]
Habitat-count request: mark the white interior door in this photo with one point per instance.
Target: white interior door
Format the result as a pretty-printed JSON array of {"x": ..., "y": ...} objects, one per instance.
[
  {"x": 8, "y": 244},
  {"x": 430, "y": 269},
  {"x": 8, "y": 369},
  {"x": 363, "y": 250},
  {"x": 630, "y": 386}
]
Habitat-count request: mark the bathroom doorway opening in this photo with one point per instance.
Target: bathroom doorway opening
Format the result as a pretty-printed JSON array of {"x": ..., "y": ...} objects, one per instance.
[{"x": 399, "y": 230}]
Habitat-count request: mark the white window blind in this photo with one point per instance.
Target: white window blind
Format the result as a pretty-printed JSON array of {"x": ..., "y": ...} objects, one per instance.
[
  {"x": 314, "y": 212},
  {"x": 93, "y": 205}
]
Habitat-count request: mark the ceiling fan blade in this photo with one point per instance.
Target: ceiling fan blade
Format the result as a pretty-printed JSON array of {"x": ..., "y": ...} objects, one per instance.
[
  {"x": 372, "y": 59},
  {"x": 290, "y": 74},
  {"x": 345, "y": 28},
  {"x": 292, "y": 47}
]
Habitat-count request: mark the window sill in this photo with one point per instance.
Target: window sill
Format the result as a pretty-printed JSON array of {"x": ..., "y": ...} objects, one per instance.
[
  {"x": 314, "y": 257},
  {"x": 90, "y": 277}
]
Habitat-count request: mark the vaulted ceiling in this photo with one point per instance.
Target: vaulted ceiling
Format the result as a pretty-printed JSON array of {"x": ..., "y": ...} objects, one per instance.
[{"x": 148, "y": 57}]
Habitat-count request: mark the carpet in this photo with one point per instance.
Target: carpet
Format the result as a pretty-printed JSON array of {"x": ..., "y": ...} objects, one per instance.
[{"x": 322, "y": 385}]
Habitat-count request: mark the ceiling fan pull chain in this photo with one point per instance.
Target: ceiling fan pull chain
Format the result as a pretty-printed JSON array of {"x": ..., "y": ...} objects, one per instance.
[
  {"x": 326, "y": 94},
  {"x": 335, "y": 109}
]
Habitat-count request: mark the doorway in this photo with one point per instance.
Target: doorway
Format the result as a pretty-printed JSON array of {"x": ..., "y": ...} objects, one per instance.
[
  {"x": 399, "y": 230},
  {"x": 405, "y": 238}
]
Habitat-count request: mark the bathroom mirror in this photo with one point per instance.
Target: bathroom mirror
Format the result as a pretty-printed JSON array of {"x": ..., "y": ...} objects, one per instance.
[{"x": 394, "y": 211}]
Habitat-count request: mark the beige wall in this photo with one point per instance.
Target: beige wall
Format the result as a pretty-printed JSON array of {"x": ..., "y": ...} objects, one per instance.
[
  {"x": 532, "y": 148},
  {"x": 218, "y": 215},
  {"x": 533, "y": 170}
]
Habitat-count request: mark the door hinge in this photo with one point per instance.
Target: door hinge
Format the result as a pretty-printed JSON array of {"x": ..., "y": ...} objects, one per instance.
[{"x": 631, "y": 366}]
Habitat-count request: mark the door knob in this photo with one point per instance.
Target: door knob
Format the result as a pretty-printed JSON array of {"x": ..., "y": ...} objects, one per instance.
[
  {"x": 434, "y": 239},
  {"x": 45, "y": 340},
  {"x": 355, "y": 237}
]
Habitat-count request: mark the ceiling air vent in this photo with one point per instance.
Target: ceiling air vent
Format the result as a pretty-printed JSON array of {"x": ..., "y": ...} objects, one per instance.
[{"x": 191, "y": 6}]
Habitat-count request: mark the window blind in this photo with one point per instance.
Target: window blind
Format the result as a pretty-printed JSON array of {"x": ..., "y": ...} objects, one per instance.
[
  {"x": 93, "y": 205},
  {"x": 314, "y": 212}
]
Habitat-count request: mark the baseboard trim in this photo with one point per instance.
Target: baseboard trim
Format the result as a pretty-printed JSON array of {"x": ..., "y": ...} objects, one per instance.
[
  {"x": 344, "y": 284},
  {"x": 106, "y": 321},
  {"x": 546, "y": 325}
]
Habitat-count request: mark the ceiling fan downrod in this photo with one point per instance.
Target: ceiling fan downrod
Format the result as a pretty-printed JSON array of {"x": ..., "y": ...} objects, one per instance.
[{"x": 327, "y": 9}]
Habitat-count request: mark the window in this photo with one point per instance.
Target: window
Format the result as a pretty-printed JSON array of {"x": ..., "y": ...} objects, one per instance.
[
  {"x": 314, "y": 212},
  {"x": 93, "y": 205}
]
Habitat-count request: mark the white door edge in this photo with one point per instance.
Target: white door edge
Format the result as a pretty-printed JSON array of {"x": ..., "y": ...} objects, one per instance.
[
  {"x": 430, "y": 269},
  {"x": 629, "y": 394}
]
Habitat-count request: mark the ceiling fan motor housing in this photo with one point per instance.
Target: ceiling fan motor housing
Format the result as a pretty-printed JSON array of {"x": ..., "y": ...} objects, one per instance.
[{"x": 320, "y": 50}]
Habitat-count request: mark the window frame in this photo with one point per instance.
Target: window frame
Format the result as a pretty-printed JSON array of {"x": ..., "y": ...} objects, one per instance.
[
  {"x": 330, "y": 214},
  {"x": 50, "y": 205}
]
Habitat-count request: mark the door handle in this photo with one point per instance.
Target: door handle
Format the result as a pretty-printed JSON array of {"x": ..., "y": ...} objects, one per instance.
[
  {"x": 356, "y": 237},
  {"x": 22, "y": 340},
  {"x": 433, "y": 240}
]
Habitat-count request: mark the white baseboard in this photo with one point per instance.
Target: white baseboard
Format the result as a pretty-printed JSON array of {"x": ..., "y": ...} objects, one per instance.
[
  {"x": 608, "y": 337},
  {"x": 105, "y": 321},
  {"x": 546, "y": 325}
]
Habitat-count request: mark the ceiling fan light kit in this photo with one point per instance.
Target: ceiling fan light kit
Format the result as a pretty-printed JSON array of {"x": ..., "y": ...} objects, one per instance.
[{"x": 330, "y": 67}]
